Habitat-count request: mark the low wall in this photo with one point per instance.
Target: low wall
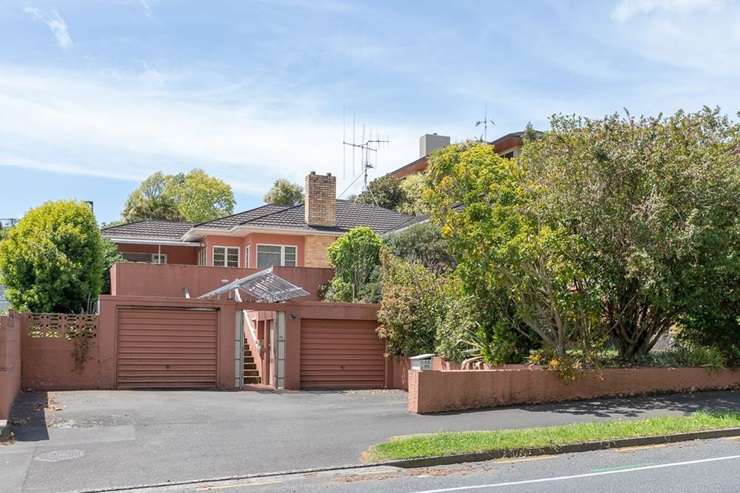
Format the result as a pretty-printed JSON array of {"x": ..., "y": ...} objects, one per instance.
[
  {"x": 170, "y": 281},
  {"x": 438, "y": 391},
  {"x": 10, "y": 362},
  {"x": 48, "y": 362}
]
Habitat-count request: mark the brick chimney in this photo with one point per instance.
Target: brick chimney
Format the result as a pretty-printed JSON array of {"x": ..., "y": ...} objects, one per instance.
[{"x": 321, "y": 200}]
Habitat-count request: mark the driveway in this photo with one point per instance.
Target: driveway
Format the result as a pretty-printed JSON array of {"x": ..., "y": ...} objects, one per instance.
[{"x": 101, "y": 439}]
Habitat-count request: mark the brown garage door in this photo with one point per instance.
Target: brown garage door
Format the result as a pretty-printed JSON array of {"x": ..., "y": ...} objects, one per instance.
[
  {"x": 341, "y": 354},
  {"x": 166, "y": 348}
]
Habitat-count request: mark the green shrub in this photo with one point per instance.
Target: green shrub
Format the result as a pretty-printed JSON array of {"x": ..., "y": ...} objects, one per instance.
[
  {"x": 52, "y": 260},
  {"x": 423, "y": 243},
  {"x": 356, "y": 259}
]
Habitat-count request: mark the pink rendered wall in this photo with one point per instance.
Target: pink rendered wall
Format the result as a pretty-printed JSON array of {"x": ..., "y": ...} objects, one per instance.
[
  {"x": 175, "y": 254},
  {"x": 10, "y": 362},
  {"x": 251, "y": 240},
  {"x": 438, "y": 391},
  {"x": 133, "y": 279}
]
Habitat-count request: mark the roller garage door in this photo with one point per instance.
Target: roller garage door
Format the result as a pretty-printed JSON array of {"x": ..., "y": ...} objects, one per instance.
[
  {"x": 341, "y": 354},
  {"x": 166, "y": 348}
]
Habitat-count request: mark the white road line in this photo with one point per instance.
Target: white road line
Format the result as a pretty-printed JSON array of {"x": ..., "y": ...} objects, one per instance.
[{"x": 576, "y": 476}]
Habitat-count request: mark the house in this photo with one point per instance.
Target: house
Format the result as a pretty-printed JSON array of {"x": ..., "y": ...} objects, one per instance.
[
  {"x": 269, "y": 235},
  {"x": 508, "y": 146}
]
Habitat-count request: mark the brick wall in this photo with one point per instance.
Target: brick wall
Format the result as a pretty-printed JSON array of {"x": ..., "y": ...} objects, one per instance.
[
  {"x": 321, "y": 200},
  {"x": 316, "y": 254}
]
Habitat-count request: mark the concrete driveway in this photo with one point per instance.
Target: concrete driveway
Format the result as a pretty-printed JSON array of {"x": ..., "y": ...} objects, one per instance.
[{"x": 104, "y": 439}]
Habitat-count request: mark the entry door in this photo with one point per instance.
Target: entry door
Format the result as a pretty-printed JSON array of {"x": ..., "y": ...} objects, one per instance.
[{"x": 167, "y": 348}]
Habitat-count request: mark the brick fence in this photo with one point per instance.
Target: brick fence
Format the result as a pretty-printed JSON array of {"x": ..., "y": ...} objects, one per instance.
[{"x": 438, "y": 391}]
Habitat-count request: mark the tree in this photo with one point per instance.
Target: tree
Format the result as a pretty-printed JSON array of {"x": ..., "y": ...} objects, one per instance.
[
  {"x": 413, "y": 189},
  {"x": 412, "y": 306},
  {"x": 193, "y": 197},
  {"x": 519, "y": 271},
  {"x": 153, "y": 199},
  {"x": 385, "y": 192},
  {"x": 284, "y": 193},
  {"x": 200, "y": 197},
  {"x": 423, "y": 243},
  {"x": 356, "y": 259},
  {"x": 52, "y": 260},
  {"x": 110, "y": 257},
  {"x": 653, "y": 205}
]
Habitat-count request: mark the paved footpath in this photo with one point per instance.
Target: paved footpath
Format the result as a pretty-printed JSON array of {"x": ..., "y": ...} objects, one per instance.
[{"x": 103, "y": 439}]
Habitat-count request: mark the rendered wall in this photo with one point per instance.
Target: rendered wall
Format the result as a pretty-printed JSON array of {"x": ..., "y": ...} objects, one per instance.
[
  {"x": 130, "y": 279},
  {"x": 10, "y": 362},
  {"x": 438, "y": 391}
]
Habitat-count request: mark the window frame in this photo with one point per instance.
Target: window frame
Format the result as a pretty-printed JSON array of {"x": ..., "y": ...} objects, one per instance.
[
  {"x": 155, "y": 255},
  {"x": 226, "y": 255},
  {"x": 282, "y": 253},
  {"x": 247, "y": 256}
]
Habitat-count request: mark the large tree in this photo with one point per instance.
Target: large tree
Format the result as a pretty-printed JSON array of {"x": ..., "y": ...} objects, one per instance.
[
  {"x": 284, "y": 193},
  {"x": 385, "y": 192},
  {"x": 193, "y": 197},
  {"x": 653, "y": 203},
  {"x": 52, "y": 260}
]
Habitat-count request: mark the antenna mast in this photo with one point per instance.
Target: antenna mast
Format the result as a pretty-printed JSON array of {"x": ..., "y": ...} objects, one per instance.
[
  {"x": 365, "y": 147},
  {"x": 485, "y": 122}
]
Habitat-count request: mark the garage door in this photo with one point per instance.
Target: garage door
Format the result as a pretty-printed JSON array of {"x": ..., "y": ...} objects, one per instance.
[
  {"x": 341, "y": 354},
  {"x": 166, "y": 348}
]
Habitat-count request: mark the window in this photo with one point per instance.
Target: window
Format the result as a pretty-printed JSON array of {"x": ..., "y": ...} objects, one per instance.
[
  {"x": 279, "y": 255},
  {"x": 248, "y": 257},
  {"x": 159, "y": 258},
  {"x": 202, "y": 257},
  {"x": 136, "y": 257},
  {"x": 225, "y": 256}
]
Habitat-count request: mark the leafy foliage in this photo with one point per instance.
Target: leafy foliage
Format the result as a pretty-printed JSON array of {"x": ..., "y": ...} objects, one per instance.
[
  {"x": 284, "y": 193},
  {"x": 651, "y": 204},
  {"x": 200, "y": 197},
  {"x": 384, "y": 191},
  {"x": 52, "y": 260},
  {"x": 422, "y": 243},
  {"x": 412, "y": 307},
  {"x": 110, "y": 257},
  {"x": 413, "y": 188},
  {"x": 519, "y": 271},
  {"x": 356, "y": 259},
  {"x": 193, "y": 197}
]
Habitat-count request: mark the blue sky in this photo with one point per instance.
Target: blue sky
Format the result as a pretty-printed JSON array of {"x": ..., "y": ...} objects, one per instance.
[{"x": 95, "y": 95}]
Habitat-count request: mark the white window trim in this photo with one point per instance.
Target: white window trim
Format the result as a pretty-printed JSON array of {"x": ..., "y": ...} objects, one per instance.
[
  {"x": 159, "y": 255},
  {"x": 282, "y": 252},
  {"x": 226, "y": 255},
  {"x": 247, "y": 256}
]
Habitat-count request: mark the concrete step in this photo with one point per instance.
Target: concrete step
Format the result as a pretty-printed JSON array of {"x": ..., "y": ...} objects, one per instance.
[
  {"x": 250, "y": 366},
  {"x": 251, "y": 373},
  {"x": 255, "y": 380}
]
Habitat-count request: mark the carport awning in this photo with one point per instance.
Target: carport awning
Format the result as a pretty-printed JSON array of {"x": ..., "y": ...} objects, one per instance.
[{"x": 264, "y": 286}]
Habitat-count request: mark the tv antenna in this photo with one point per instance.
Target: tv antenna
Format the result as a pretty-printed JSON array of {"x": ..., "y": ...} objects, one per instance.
[
  {"x": 365, "y": 147},
  {"x": 485, "y": 122}
]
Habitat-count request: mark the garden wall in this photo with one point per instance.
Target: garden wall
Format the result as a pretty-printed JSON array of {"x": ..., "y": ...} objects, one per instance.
[
  {"x": 438, "y": 391},
  {"x": 47, "y": 354},
  {"x": 10, "y": 362}
]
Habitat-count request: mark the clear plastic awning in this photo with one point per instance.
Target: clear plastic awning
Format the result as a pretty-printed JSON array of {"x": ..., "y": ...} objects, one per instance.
[{"x": 263, "y": 286}]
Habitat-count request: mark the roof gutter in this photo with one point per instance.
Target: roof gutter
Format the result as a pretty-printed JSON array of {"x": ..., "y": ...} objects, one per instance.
[{"x": 142, "y": 241}]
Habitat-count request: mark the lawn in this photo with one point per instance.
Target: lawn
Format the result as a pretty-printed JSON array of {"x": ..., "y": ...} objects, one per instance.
[{"x": 516, "y": 441}]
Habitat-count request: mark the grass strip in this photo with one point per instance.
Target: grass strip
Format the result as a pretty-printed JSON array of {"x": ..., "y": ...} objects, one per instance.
[{"x": 454, "y": 443}]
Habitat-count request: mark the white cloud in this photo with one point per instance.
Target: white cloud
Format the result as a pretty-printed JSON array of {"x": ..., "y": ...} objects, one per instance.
[
  {"x": 627, "y": 9},
  {"x": 56, "y": 24},
  {"x": 147, "y": 8},
  {"x": 129, "y": 126}
]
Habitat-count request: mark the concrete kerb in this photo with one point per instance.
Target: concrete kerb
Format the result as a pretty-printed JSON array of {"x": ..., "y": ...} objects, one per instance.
[{"x": 450, "y": 459}]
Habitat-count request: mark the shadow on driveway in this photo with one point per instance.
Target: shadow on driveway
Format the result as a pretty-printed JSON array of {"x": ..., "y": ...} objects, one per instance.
[{"x": 28, "y": 417}]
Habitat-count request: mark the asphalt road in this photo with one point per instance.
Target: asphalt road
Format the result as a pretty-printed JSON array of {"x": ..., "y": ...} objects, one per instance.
[
  {"x": 701, "y": 466},
  {"x": 104, "y": 439}
]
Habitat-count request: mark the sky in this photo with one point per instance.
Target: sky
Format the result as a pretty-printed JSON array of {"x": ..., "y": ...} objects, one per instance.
[{"x": 97, "y": 94}]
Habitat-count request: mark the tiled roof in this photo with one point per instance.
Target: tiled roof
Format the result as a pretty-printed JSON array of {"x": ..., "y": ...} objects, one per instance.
[
  {"x": 349, "y": 215},
  {"x": 162, "y": 230},
  {"x": 229, "y": 222}
]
